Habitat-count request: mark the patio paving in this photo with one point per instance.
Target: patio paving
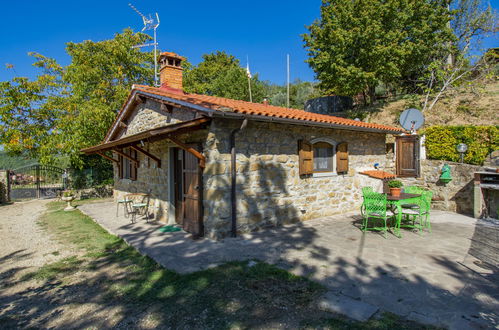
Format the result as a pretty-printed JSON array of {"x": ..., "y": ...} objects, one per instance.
[{"x": 430, "y": 278}]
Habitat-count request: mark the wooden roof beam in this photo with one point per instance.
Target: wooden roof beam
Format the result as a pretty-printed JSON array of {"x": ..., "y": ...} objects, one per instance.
[
  {"x": 194, "y": 152},
  {"x": 146, "y": 153},
  {"x": 107, "y": 157},
  {"x": 122, "y": 154}
]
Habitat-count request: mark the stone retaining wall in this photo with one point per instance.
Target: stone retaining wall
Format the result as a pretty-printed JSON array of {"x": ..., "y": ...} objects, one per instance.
[
  {"x": 455, "y": 196},
  {"x": 269, "y": 189}
]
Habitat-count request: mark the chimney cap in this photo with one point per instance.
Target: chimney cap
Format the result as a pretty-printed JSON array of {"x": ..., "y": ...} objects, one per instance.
[{"x": 171, "y": 55}]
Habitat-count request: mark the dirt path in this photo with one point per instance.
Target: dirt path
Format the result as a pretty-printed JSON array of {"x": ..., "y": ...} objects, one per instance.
[
  {"x": 24, "y": 245},
  {"x": 27, "y": 302}
]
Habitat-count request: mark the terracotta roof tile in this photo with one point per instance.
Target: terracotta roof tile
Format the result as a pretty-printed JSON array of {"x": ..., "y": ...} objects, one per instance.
[
  {"x": 243, "y": 107},
  {"x": 378, "y": 174}
]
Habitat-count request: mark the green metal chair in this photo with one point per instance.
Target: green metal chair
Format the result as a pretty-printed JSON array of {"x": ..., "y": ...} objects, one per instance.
[
  {"x": 125, "y": 202},
  {"x": 365, "y": 190},
  {"x": 375, "y": 207},
  {"x": 412, "y": 190},
  {"x": 419, "y": 214}
]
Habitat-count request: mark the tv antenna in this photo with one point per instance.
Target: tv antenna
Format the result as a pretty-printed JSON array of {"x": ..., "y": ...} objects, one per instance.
[
  {"x": 150, "y": 23},
  {"x": 411, "y": 120}
]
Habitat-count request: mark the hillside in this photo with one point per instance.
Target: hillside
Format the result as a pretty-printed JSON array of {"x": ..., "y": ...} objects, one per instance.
[{"x": 455, "y": 108}]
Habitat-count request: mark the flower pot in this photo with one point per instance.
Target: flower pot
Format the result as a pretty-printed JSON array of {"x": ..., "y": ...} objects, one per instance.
[
  {"x": 395, "y": 191},
  {"x": 68, "y": 199}
]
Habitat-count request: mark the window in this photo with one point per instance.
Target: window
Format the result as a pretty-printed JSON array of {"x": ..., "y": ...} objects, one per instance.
[
  {"x": 323, "y": 157},
  {"x": 128, "y": 168}
]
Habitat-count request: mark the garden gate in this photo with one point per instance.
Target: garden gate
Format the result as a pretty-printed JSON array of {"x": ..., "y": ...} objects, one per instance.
[{"x": 37, "y": 181}]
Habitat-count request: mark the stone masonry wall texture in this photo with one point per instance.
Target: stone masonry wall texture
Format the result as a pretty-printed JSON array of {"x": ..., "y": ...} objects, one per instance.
[
  {"x": 269, "y": 189},
  {"x": 455, "y": 196}
]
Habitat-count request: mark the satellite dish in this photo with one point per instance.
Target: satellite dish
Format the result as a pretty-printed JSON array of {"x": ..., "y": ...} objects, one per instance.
[{"x": 411, "y": 119}]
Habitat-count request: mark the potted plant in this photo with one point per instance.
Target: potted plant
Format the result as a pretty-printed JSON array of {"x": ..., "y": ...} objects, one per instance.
[
  {"x": 395, "y": 187},
  {"x": 68, "y": 196}
]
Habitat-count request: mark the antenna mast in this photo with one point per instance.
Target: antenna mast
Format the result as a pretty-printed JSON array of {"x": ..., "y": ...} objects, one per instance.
[
  {"x": 287, "y": 83},
  {"x": 150, "y": 24}
]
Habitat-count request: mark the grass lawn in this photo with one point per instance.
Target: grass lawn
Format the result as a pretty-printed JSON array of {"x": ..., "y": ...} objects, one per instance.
[{"x": 107, "y": 271}]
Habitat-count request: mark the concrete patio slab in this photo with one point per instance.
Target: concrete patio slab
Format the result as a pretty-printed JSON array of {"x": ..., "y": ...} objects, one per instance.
[{"x": 429, "y": 277}]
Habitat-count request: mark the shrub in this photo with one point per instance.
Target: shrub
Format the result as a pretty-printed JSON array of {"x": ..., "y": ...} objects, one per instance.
[
  {"x": 441, "y": 142},
  {"x": 395, "y": 184}
]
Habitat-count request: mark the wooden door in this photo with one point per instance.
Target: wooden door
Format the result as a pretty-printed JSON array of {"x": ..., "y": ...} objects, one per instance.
[
  {"x": 189, "y": 193},
  {"x": 178, "y": 184},
  {"x": 407, "y": 161}
]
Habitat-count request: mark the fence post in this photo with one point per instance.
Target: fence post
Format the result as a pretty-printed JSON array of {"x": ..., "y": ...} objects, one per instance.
[{"x": 37, "y": 171}]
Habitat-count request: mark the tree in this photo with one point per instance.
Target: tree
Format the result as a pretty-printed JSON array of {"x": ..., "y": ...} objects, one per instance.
[
  {"x": 460, "y": 64},
  {"x": 299, "y": 93},
  {"x": 68, "y": 108},
  {"x": 220, "y": 74},
  {"x": 357, "y": 44}
]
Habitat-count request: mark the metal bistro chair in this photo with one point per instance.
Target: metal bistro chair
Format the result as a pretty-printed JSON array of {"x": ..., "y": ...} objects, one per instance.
[
  {"x": 125, "y": 201},
  {"x": 376, "y": 207},
  {"x": 365, "y": 191},
  {"x": 412, "y": 190},
  {"x": 420, "y": 212},
  {"x": 141, "y": 208}
]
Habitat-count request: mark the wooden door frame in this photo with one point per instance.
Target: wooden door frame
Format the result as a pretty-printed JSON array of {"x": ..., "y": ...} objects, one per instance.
[
  {"x": 416, "y": 156},
  {"x": 175, "y": 171}
]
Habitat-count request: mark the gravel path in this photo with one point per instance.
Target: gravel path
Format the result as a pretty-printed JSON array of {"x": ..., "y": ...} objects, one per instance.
[{"x": 24, "y": 244}]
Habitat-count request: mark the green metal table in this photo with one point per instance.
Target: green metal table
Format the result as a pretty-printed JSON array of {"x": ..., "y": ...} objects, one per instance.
[{"x": 397, "y": 202}]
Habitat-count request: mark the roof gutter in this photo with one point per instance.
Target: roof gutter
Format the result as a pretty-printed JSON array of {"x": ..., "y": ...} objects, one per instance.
[{"x": 301, "y": 122}]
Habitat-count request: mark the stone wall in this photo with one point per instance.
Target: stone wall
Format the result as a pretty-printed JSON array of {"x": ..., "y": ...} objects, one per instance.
[
  {"x": 4, "y": 186},
  {"x": 455, "y": 196},
  {"x": 150, "y": 180},
  {"x": 269, "y": 189},
  {"x": 149, "y": 115}
]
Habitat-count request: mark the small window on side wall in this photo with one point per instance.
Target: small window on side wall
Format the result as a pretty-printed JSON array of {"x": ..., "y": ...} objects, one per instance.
[{"x": 322, "y": 158}]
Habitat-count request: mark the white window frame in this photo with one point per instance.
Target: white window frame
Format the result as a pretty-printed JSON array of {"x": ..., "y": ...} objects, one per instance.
[{"x": 333, "y": 145}]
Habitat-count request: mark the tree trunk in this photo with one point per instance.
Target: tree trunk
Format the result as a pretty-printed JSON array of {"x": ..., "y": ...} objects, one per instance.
[{"x": 372, "y": 94}]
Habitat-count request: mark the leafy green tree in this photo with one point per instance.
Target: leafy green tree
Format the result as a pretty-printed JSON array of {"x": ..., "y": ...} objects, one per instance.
[
  {"x": 68, "y": 108},
  {"x": 220, "y": 74},
  {"x": 356, "y": 44},
  {"x": 460, "y": 65},
  {"x": 299, "y": 93}
]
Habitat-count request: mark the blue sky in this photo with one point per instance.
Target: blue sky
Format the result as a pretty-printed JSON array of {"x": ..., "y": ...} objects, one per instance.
[{"x": 265, "y": 31}]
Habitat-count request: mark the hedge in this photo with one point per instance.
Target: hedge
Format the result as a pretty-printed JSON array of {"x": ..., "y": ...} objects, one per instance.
[{"x": 441, "y": 142}]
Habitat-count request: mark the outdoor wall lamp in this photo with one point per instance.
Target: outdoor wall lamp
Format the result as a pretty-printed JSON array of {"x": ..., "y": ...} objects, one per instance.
[{"x": 462, "y": 148}]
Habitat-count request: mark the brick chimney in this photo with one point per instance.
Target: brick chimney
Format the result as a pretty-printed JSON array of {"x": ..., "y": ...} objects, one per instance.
[{"x": 170, "y": 70}]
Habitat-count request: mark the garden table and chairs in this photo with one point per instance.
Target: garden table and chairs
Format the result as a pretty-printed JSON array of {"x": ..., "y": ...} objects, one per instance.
[
  {"x": 409, "y": 210},
  {"x": 134, "y": 204}
]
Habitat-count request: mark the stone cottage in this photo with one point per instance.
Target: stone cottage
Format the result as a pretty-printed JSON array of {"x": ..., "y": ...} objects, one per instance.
[{"x": 218, "y": 166}]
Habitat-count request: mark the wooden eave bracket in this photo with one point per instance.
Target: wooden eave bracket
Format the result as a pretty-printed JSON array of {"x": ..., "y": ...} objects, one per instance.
[
  {"x": 147, "y": 154},
  {"x": 136, "y": 161},
  {"x": 194, "y": 152},
  {"x": 107, "y": 157}
]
